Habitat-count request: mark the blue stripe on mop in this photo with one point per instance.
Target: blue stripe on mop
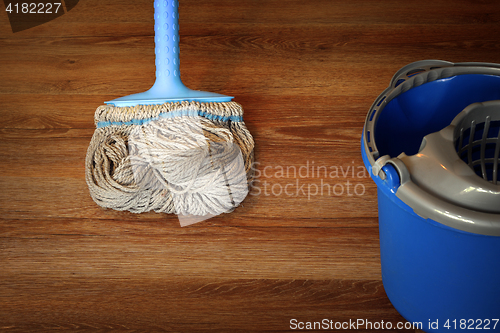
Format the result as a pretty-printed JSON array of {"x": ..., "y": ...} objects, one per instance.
[{"x": 173, "y": 114}]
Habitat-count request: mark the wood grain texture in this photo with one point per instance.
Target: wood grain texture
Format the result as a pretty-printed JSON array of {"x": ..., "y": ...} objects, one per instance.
[{"x": 306, "y": 72}]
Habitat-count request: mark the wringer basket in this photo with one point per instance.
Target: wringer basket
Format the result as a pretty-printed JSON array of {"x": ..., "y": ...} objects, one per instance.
[
  {"x": 431, "y": 141},
  {"x": 477, "y": 140}
]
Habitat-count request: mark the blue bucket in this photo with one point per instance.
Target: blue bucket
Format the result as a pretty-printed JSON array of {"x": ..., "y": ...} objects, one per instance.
[{"x": 439, "y": 235}]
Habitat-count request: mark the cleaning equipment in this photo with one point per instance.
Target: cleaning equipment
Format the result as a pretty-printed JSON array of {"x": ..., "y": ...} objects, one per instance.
[
  {"x": 431, "y": 141},
  {"x": 170, "y": 149}
]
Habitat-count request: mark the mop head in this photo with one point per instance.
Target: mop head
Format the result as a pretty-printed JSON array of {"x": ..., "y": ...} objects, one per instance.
[{"x": 185, "y": 158}]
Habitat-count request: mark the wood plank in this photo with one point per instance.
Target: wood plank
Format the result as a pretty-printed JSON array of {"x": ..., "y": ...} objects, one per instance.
[
  {"x": 223, "y": 305},
  {"x": 123, "y": 17},
  {"x": 45, "y": 111},
  {"x": 222, "y": 63},
  {"x": 24, "y": 197},
  {"x": 159, "y": 249},
  {"x": 321, "y": 178}
]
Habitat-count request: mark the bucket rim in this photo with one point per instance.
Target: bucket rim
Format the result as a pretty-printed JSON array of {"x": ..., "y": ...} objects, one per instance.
[{"x": 423, "y": 203}]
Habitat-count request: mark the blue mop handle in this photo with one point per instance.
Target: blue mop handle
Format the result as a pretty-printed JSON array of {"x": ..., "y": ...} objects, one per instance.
[
  {"x": 167, "y": 45},
  {"x": 168, "y": 86}
]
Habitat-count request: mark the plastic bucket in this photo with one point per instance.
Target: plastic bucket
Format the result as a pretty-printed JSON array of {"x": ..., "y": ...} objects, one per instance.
[{"x": 440, "y": 259}]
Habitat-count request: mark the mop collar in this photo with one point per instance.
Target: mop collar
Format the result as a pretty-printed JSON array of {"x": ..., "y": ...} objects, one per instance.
[
  {"x": 109, "y": 115},
  {"x": 173, "y": 114}
]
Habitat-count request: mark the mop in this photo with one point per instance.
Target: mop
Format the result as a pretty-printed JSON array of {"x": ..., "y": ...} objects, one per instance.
[{"x": 170, "y": 149}]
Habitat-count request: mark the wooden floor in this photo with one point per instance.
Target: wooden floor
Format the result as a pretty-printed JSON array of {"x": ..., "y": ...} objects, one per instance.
[{"x": 306, "y": 73}]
